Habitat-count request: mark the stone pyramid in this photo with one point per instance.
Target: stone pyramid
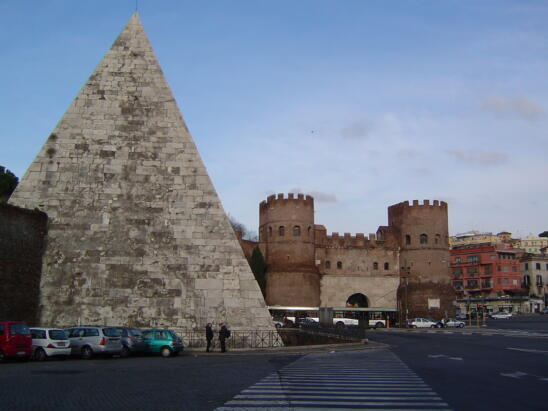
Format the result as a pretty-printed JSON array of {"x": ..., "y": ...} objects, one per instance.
[{"x": 137, "y": 234}]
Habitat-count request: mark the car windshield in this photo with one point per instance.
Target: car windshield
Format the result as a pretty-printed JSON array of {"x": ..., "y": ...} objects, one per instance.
[
  {"x": 57, "y": 335},
  {"x": 135, "y": 333},
  {"x": 111, "y": 332},
  {"x": 19, "y": 329}
]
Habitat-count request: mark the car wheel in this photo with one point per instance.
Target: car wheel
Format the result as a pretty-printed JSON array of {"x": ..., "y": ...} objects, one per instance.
[
  {"x": 413, "y": 326},
  {"x": 461, "y": 325},
  {"x": 379, "y": 325},
  {"x": 87, "y": 353},
  {"x": 434, "y": 326},
  {"x": 165, "y": 352},
  {"x": 40, "y": 354},
  {"x": 2, "y": 356},
  {"x": 126, "y": 352}
]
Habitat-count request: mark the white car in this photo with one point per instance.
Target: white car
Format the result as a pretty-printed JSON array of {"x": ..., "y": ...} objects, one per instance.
[
  {"x": 49, "y": 342},
  {"x": 423, "y": 323},
  {"x": 501, "y": 315},
  {"x": 451, "y": 322}
]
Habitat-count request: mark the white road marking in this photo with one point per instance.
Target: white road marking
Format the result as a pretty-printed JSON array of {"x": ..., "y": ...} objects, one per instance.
[
  {"x": 527, "y": 350},
  {"x": 372, "y": 380},
  {"x": 517, "y": 374}
]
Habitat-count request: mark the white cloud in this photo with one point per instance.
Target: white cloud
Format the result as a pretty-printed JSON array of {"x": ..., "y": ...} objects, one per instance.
[
  {"x": 479, "y": 157},
  {"x": 512, "y": 106}
]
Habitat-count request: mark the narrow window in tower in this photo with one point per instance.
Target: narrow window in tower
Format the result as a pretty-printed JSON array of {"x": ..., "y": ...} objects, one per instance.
[
  {"x": 437, "y": 239},
  {"x": 386, "y": 266},
  {"x": 339, "y": 265},
  {"x": 327, "y": 264},
  {"x": 423, "y": 239},
  {"x": 270, "y": 231},
  {"x": 296, "y": 231},
  {"x": 309, "y": 230},
  {"x": 407, "y": 239},
  {"x": 375, "y": 266},
  {"x": 281, "y": 231}
]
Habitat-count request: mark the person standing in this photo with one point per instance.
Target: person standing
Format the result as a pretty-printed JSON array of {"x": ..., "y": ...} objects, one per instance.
[
  {"x": 209, "y": 336},
  {"x": 224, "y": 333}
]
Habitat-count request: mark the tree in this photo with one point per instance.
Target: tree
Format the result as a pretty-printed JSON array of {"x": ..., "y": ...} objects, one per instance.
[
  {"x": 258, "y": 266},
  {"x": 543, "y": 234},
  {"x": 8, "y": 182},
  {"x": 241, "y": 228}
]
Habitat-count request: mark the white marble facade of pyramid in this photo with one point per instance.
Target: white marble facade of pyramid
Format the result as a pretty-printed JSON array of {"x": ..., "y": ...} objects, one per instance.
[{"x": 137, "y": 234}]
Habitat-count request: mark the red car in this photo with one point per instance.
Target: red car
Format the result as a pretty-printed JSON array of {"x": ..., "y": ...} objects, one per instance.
[{"x": 15, "y": 340}]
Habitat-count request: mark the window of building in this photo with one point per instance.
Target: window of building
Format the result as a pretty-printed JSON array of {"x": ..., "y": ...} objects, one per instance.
[
  {"x": 505, "y": 281},
  {"x": 547, "y": 266},
  {"x": 457, "y": 260},
  {"x": 437, "y": 239},
  {"x": 526, "y": 281},
  {"x": 505, "y": 269},
  {"x": 487, "y": 270},
  {"x": 386, "y": 266},
  {"x": 526, "y": 266},
  {"x": 375, "y": 266},
  {"x": 499, "y": 280},
  {"x": 327, "y": 264},
  {"x": 472, "y": 283},
  {"x": 281, "y": 231},
  {"x": 472, "y": 259},
  {"x": 309, "y": 230},
  {"x": 423, "y": 239},
  {"x": 457, "y": 284},
  {"x": 539, "y": 279},
  {"x": 471, "y": 271},
  {"x": 339, "y": 265},
  {"x": 407, "y": 239},
  {"x": 270, "y": 231},
  {"x": 537, "y": 266},
  {"x": 499, "y": 268},
  {"x": 457, "y": 272},
  {"x": 296, "y": 231},
  {"x": 514, "y": 269}
]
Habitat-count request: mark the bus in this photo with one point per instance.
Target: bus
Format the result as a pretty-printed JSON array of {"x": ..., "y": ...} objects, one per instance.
[{"x": 374, "y": 317}]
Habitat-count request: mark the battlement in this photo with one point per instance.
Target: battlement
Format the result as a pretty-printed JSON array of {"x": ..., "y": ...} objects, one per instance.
[
  {"x": 277, "y": 200},
  {"x": 348, "y": 240},
  {"x": 416, "y": 204}
]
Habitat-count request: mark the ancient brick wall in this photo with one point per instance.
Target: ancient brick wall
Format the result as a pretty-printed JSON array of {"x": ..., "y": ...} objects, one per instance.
[{"x": 22, "y": 242}]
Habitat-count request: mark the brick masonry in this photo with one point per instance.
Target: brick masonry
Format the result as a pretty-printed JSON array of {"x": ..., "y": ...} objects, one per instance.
[
  {"x": 137, "y": 234},
  {"x": 22, "y": 244}
]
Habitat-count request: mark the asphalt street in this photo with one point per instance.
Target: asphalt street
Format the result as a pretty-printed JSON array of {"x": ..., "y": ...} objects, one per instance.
[{"x": 472, "y": 369}]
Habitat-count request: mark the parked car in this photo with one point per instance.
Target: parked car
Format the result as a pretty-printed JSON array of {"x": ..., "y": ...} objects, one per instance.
[
  {"x": 423, "y": 323},
  {"x": 132, "y": 341},
  {"x": 461, "y": 316},
  {"x": 164, "y": 342},
  {"x": 308, "y": 322},
  {"x": 544, "y": 310},
  {"x": 49, "y": 342},
  {"x": 451, "y": 322},
  {"x": 88, "y": 341},
  {"x": 15, "y": 340},
  {"x": 500, "y": 315}
]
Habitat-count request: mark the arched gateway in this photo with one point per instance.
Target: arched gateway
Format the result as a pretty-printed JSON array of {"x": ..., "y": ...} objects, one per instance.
[{"x": 357, "y": 300}]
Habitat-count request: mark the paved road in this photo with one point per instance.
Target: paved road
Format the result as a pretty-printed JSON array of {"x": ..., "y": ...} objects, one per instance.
[
  {"x": 479, "y": 371},
  {"x": 472, "y": 370}
]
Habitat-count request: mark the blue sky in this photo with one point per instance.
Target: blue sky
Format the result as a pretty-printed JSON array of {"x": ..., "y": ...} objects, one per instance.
[{"x": 363, "y": 104}]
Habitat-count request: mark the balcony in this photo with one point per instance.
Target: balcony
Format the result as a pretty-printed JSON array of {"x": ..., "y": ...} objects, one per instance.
[
  {"x": 486, "y": 285},
  {"x": 472, "y": 287}
]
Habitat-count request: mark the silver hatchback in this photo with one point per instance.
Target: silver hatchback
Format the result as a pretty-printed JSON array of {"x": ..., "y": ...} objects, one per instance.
[{"x": 87, "y": 341}]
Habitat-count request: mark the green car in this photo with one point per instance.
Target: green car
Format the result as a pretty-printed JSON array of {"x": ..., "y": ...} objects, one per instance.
[{"x": 163, "y": 342}]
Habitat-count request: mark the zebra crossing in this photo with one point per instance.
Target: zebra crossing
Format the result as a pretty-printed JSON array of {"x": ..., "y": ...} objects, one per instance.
[{"x": 372, "y": 379}]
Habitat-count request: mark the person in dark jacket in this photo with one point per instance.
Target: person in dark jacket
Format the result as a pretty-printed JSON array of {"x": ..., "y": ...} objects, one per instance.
[
  {"x": 224, "y": 333},
  {"x": 209, "y": 336}
]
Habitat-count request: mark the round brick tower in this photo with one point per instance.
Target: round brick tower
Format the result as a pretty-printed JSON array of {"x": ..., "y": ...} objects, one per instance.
[
  {"x": 286, "y": 236},
  {"x": 425, "y": 288}
]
